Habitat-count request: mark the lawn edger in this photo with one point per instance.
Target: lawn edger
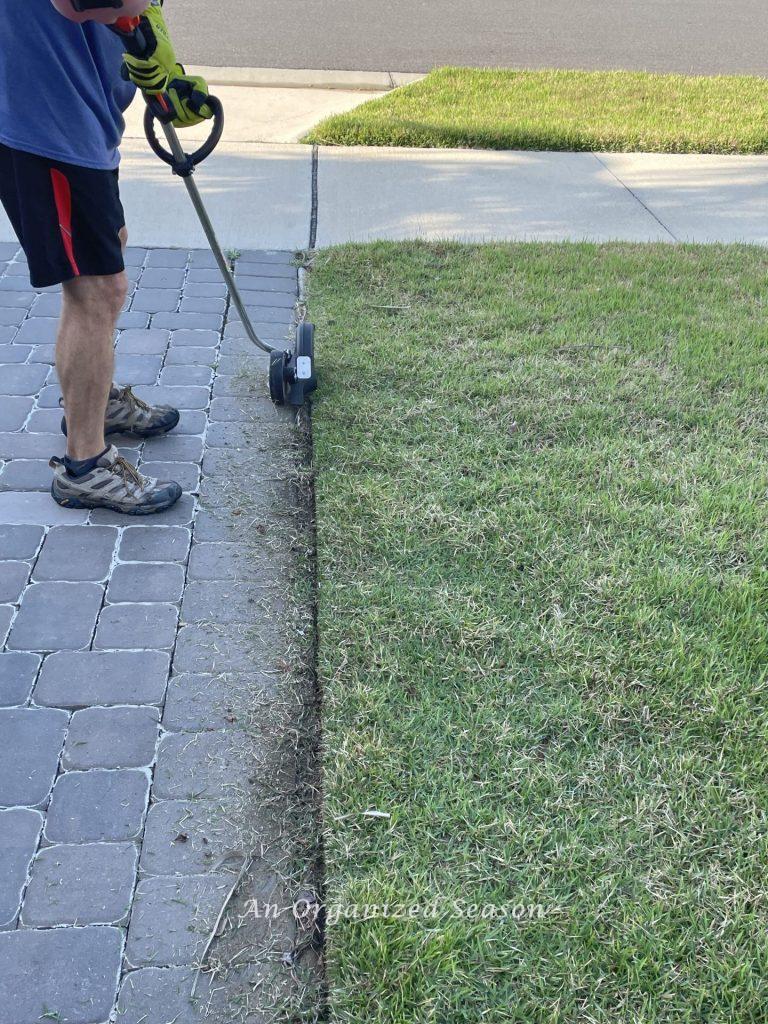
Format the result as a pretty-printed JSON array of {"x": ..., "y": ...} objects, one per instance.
[{"x": 292, "y": 371}]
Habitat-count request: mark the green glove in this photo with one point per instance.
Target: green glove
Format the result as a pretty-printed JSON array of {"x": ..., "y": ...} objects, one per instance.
[
  {"x": 188, "y": 95},
  {"x": 152, "y": 68}
]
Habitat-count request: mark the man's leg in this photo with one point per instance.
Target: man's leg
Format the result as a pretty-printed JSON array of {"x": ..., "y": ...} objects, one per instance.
[{"x": 85, "y": 359}]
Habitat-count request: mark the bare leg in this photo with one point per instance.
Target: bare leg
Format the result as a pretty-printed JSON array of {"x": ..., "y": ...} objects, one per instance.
[{"x": 85, "y": 359}]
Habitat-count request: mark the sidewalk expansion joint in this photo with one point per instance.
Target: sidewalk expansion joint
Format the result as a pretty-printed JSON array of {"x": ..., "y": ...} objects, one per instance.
[{"x": 635, "y": 196}]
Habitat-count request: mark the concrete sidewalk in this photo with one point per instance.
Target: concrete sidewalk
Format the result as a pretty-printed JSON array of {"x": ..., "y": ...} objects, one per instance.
[
  {"x": 260, "y": 195},
  {"x": 266, "y": 191}
]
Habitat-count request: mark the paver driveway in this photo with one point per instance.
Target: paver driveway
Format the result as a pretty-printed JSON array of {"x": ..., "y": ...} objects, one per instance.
[{"x": 135, "y": 650}]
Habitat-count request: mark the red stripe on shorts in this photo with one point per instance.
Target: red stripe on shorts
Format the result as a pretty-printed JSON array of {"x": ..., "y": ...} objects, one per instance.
[{"x": 62, "y": 195}]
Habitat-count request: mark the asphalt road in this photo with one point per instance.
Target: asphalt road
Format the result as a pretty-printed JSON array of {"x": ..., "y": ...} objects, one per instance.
[{"x": 693, "y": 36}]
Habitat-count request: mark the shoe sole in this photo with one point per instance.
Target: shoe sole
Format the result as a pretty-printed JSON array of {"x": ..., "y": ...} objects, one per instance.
[
  {"x": 156, "y": 432},
  {"x": 139, "y": 510}
]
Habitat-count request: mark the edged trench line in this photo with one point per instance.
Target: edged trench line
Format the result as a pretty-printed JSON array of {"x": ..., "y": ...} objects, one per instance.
[{"x": 314, "y": 198}]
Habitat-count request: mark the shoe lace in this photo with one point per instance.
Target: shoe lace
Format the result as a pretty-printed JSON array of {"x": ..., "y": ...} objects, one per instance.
[
  {"x": 125, "y": 394},
  {"x": 129, "y": 473}
]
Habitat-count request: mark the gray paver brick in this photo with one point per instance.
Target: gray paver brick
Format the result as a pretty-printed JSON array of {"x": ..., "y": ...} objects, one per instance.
[
  {"x": 199, "y": 703},
  {"x": 190, "y": 355},
  {"x": 76, "y": 553},
  {"x": 202, "y": 258},
  {"x": 21, "y": 445},
  {"x": 222, "y": 601},
  {"x": 12, "y": 353},
  {"x": 163, "y": 277},
  {"x": 20, "y": 542},
  {"x": 203, "y": 304},
  {"x": 75, "y": 971},
  {"x": 156, "y": 995},
  {"x": 195, "y": 338},
  {"x": 47, "y": 305},
  {"x": 181, "y": 398},
  {"x": 56, "y": 617},
  {"x": 264, "y": 314},
  {"x": 217, "y": 525},
  {"x": 181, "y": 376},
  {"x": 226, "y": 410},
  {"x": 188, "y": 321},
  {"x": 276, "y": 332},
  {"x": 26, "y": 475},
  {"x": 272, "y": 257},
  {"x": 11, "y": 316},
  {"x": 133, "y": 320},
  {"x": 44, "y": 421},
  {"x": 30, "y": 744},
  {"x": 13, "y": 412},
  {"x": 43, "y": 354},
  {"x": 171, "y": 448},
  {"x": 17, "y": 299},
  {"x": 146, "y": 581},
  {"x": 83, "y": 883},
  {"x": 134, "y": 256},
  {"x": 172, "y": 918},
  {"x": 18, "y": 671},
  {"x": 227, "y": 435},
  {"x": 136, "y": 627},
  {"x": 220, "y": 562},
  {"x": 205, "y": 289},
  {"x": 194, "y": 766},
  {"x": 154, "y": 543},
  {"x": 185, "y": 473},
  {"x": 227, "y": 386},
  {"x": 269, "y": 283},
  {"x": 97, "y": 806},
  {"x": 27, "y": 508},
  {"x": 206, "y": 274},
  {"x": 13, "y": 579},
  {"x": 156, "y": 300},
  {"x": 271, "y": 297},
  {"x": 20, "y": 830},
  {"x": 116, "y": 737},
  {"x": 18, "y": 269},
  {"x": 76, "y": 679},
  {"x": 167, "y": 258},
  {"x": 151, "y": 342},
  {"x": 213, "y": 648},
  {"x": 49, "y": 397},
  {"x": 137, "y": 369},
  {"x": 38, "y": 330},
  {"x": 192, "y": 422},
  {"x": 183, "y": 837}
]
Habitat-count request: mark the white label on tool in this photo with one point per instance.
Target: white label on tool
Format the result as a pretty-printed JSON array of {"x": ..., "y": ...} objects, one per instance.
[{"x": 303, "y": 367}]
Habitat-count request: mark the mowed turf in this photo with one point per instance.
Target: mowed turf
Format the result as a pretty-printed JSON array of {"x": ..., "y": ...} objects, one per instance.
[
  {"x": 562, "y": 110},
  {"x": 543, "y": 631}
]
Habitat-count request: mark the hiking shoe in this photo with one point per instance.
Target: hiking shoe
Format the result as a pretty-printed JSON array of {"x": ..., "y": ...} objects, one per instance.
[
  {"x": 127, "y": 414},
  {"x": 113, "y": 483}
]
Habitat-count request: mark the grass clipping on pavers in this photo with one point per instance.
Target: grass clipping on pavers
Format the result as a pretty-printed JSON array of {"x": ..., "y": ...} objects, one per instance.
[
  {"x": 542, "y": 544},
  {"x": 629, "y": 111}
]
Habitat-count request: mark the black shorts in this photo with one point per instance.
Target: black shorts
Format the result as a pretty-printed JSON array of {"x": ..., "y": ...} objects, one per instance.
[{"x": 67, "y": 218}]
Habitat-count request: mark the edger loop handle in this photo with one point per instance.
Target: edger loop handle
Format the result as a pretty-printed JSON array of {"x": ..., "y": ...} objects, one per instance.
[{"x": 186, "y": 167}]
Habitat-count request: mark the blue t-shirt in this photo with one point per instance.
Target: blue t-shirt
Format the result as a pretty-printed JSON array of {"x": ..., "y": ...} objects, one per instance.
[{"x": 61, "y": 94}]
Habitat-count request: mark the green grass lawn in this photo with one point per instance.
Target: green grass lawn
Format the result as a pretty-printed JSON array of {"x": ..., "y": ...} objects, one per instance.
[
  {"x": 543, "y": 630},
  {"x": 570, "y": 110}
]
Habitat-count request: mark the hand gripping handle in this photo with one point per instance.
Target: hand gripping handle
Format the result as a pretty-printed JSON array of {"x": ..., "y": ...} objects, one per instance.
[{"x": 186, "y": 167}]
